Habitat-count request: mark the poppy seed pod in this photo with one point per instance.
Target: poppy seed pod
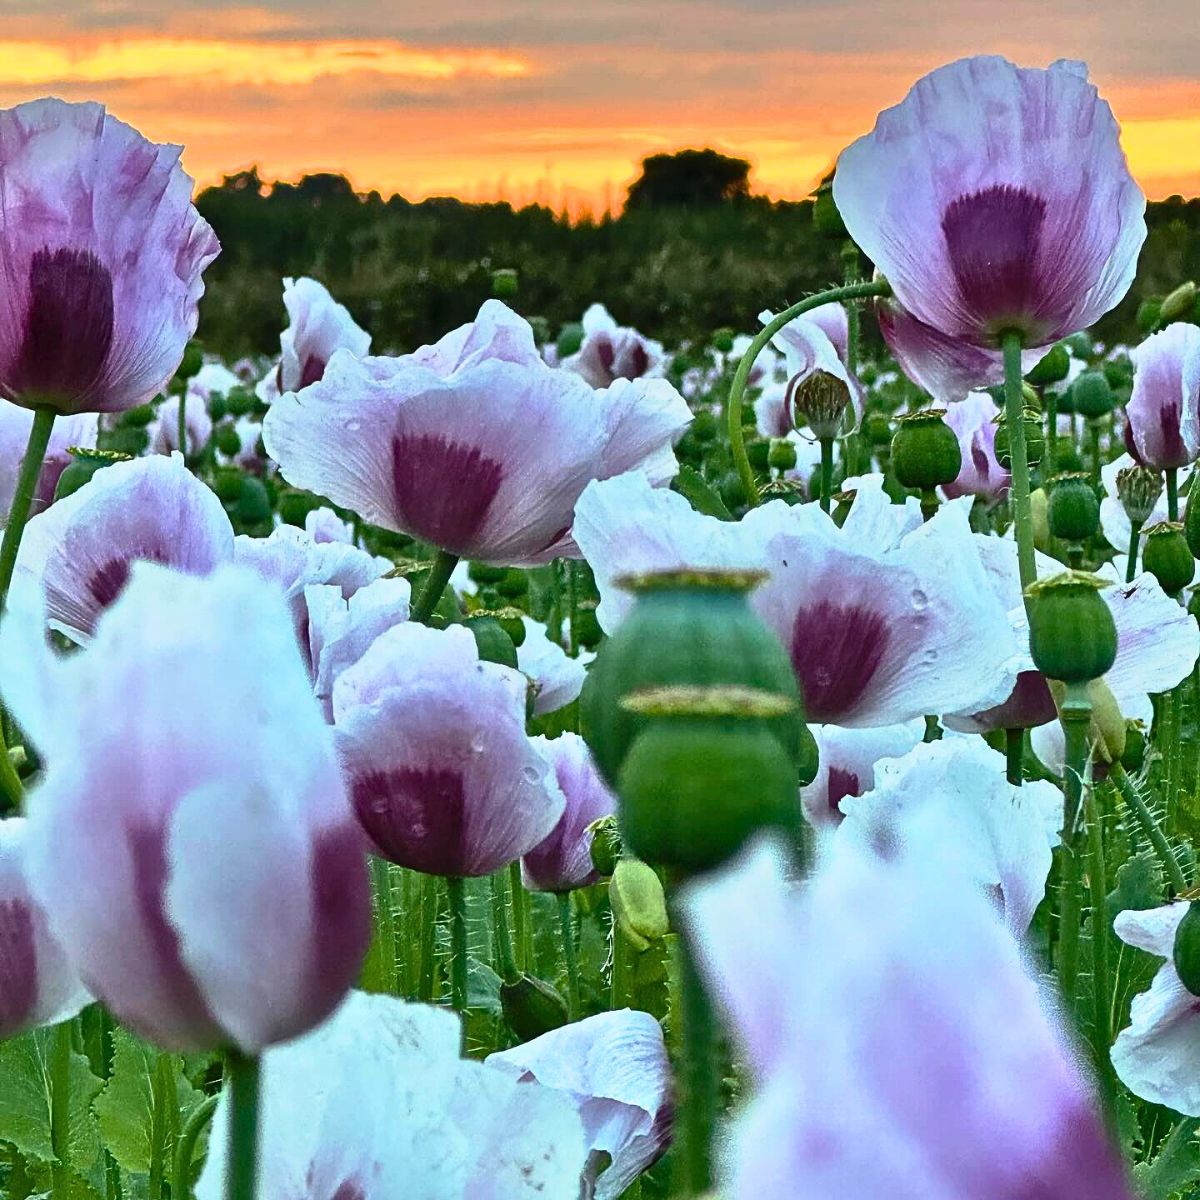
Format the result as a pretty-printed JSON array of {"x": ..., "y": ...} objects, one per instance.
[
  {"x": 925, "y": 450},
  {"x": 1186, "y": 951},
  {"x": 704, "y": 776},
  {"x": 782, "y": 455},
  {"x": 1073, "y": 508},
  {"x": 820, "y": 400},
  {"x": 1035, "y": 439},
  {"x": 1072, "y": 635},
  {"x": 1091, "y": 395},
  {"x": 85, "y": 462},
  {"x": 1165, "y": 554},
  {"x": 1178, "y": 304},
  {"x": 687, "y": 628},
  {"x": 1052, "y": 368},
  {"x": 1138, "y": 489}
]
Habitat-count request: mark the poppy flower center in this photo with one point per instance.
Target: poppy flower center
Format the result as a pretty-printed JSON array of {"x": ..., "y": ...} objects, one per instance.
[
  {"x": 68, "y": 325},
  {"x": 836, "y": 650}
]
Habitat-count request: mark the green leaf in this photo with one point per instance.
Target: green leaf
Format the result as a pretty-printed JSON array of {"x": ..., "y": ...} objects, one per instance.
[
  {"x": 125, "y": 1108},
  {"x": 697, "y": 491},
  {"x": 1175, "y": 1166}
]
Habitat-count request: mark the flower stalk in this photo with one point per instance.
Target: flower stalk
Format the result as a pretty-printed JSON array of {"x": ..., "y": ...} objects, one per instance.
[
  {"x": 243, "y": 1080},
  {"x": 1014, "y": 412}
]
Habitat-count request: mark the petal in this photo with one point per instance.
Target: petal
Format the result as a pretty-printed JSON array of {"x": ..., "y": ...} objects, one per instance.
[
  {"x": 557, "y": 678},
  {"x": 79, "y": 429},
  {"x": 1157, "y": 641},
  {"x": 1151, "y": 929},
  {"x": 318, "y": 326},
  {"x": 1162, "y": 413}
]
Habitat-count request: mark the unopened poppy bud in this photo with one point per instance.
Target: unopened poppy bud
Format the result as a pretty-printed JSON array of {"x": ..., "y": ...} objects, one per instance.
[
  {"x": 1135, "y": 746},
  {"x": 227, "y": 483},
  {"x": 704, "y": 775},
  {"x": 1108, "y": 728},
  {"x": 1035, "y": 439},
  {"x": 925, "y": 450},
  {"x": 1186, "y": 951},
  {"x": 1030, "y": 398},
  {"x": 705, "y": 426},
  {"x": 639, "y": 904},
  {"x": 1166, "y": 556},
  {"x": 492, "y": 639},
  {"x": 227, "y": 440},
  {"x": 85, "y": 462},
  {"x": 138, "y": 417},
  {"x": 1080, "y": 344},
  {"x": 1092, "y": 395},
  {"x": 532, "y": 1007},
  {"x": 506, "y": 283},
  {"x": 782, "y": 455},
  {"x": 1179, "y": 304},
  {"x": 295, "y": 506},
  {"x": 1148, "y": 313},
  {"x": 1073, "y": 508},
  {"x": 587, "y": 625},
  {"x": 1138, "y": 489},
  {"x": 1053, "y": 367},
  {"x": 1072, "y": 635},
  {"x": 479, "y": 572},
  {"x": 606, "y": 845},
  {"x": 1039, "y": 511},
  {"x": 193, "y": 360},
  {"x": 239, "y": 402},
  {"x": 513, "y": 584},
  {"x": 570, "y": 338},
  {"x": 819, "y": 400}
]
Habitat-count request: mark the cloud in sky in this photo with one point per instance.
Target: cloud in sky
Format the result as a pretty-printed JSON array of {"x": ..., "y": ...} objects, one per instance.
[{"x": 558, "y": 101}]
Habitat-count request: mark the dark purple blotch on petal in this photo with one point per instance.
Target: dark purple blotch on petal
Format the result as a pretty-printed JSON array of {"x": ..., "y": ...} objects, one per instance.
[
  {"x": 992, "y": 237},
  {"x": 836, "y": 650},
  {"x": 68, "y": 326},
  {"x": 443, "y": 490},
  {"x": 108, "y": 581},
  {"x": 416, "y": 816},
  {"x": 979, "y": 456},
  {"x": 842, "y": 783},
  {"x": 18, "y": 966},
  {"x": 349, "y": 1189},
  {"x": 1173, "y": 450},
  {"x": 313, "y": 371},
  {"x": 1029, "y": 704},
  {"x": 639, "y": 361},
  {"x": 606, "y": 352}
]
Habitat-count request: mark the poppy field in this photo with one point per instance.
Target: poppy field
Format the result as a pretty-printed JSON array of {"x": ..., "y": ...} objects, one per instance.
[{"x": 555, "y": 763}]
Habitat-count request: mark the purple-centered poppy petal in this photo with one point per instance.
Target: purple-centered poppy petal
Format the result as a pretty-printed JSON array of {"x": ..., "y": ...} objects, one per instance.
[
  {"x": 198, "y": 425},
  {"x": 562, "y": 861},
  {"x": 37, "y": 984},
  {"x": 1163, "y": 413},
  {"x": 808, "y": 348},
  {"x": 610, "y": 352},
  {"x": 80, "y": 551},
  {"x": 317, "y": 327},
  {"x": 996, "y": 197},
  {"x": 897, "y": 1044},
  {"x": 79, "y": 429},
  {"x": 101, "y": 261},
  {"x": 974, "y": 424},
  {"x": 192, "y": 937},
  {"x": 614, "y": 1069},
  {"x": 556, "y": 677},
  {"x": 440, "y": 772},
  {"x": 377, "y": 1102}
]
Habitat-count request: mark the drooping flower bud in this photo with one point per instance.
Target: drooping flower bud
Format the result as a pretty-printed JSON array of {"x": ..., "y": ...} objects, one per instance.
[
  {"x": 1186, "y": 950},
  {"x": 570, "y": 338},
  {"x": 1178, "y": 304},
  {"x": 925, "y": 450},
  {"x": 1091, "y": 395},
  {"x": 1165, "y": 554},
  {"x": 1072, "y": 635},
  {"x": 1135, "y": 746},
  {"x": 1052, "y": 368},
  {"x": 1073, "y": 507},
  {"x": 85, "y": 462},
  {"x": 1035, "y": 438},
  {"x": 1108, "y": 728},
  {"x": 639, "y": 905},
  {"x": 821, "y": 401},
  {"x": 1138, "y": 489}
]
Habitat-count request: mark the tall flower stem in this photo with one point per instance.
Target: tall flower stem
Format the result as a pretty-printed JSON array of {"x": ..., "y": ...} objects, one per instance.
[
  {"x": 1050, "y": 400},
  {"x": 1076, "y": 720},
  {"x": 1101, "y": 977},
  {"x": 457, "y": 890},
  {"x": 1135, "y": 534},
  {"x": 182, "y": 426},
  {"x": 566, "y": 927},
  {"x": 185, "y": 1150},
  {"x": 435, "y": 585},
  {"x": 504, "y": 946},
  {"x": 1014, "y": 755},
  {"x": 826, "y": 472},
  {"x": 1136, "y": 804},
  {"x": 1014, "y": 420},
  {"x": 1172, "y": 494},
  {"x": 60, "y": 1106},
  {"x": 241, "y": 1168},
  {"x": 700, "y": 1080},
  {"x": 27, "y": 481},
  {"x": 733, "y": 402},
  {"x": 426, "y": 969},
  {"x": 162, "y": 1123},
  {"x": 385, "y": 910}
]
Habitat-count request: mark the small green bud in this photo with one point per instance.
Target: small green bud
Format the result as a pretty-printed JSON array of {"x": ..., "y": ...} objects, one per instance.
[
  {"x": 492, "y": 640},
  {"x": 1072, "y": 635},
  {"x": 217, "y": 408},
  {"x": 1080, "y": 344},
  {"x": 1052, "y": 367},
  {"x": 1148, "y": 313},
  {"x": 1039, "y": 511},
  {"x": 294, "y": 506},
  {"x": 570, "y": 338},
  {"x": 1186, "y": 951},
  {"x": 1092, "y": 395},
  {"x": 723, "y": 340},
  {"x": 782, "y": 455},
  {"x": 193, "y": 360},
  {"x": 1107, "y": 729},
  {"x": 925, "y": 450},
  {"x": 227, "y": 440},
  {"x": 532, "y": 1007},
  {"x": 1073, "y": 508},
  {"x": 1166, "y": 556},
  {"x": 227, "y": 483},
  {"x": 1138, "y": 489},
  {"x": 639, "y": 905},
  {"x": 821, "y": 401},
  {"x": 1191, "y": 520},
  {"x": 1035, "y": 439},
  {"x": 138, "y": 417},
  {"x": 506, "y": 283},
  {"x": 514, "y": 584},
  {"x": 85, "y": 462},
  {"x": 1179, "y": 304},
  {"x": 606, "y": 848}
]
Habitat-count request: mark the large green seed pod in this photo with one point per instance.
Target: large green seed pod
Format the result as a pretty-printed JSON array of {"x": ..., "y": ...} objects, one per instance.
[
  {"x": 1053, "y": 367},
  {"x": 687, "y": 628},
  {"x": 1091, "y": 395},
  {"x": 85, "y": 462},
  {"x": 1072, "y": 635},
  {"x": 1165, "y": 554},
  {"x": 1186, "y": 951},
  {"x": 1073, "y": 509},
  {"x": 694, "y": 788},
  {"x": 925, "y": 450},
  {"x": 1035, "y": 439}
]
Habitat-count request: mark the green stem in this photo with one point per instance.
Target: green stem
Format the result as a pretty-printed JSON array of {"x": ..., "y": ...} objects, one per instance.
[
  {"x": 185, "y": 1150},
  {"x": 60, "y": 1106},
  {"x": 1076, "y": 719},
  {"x": 522, "y": 927},
  {"x": 385, "y": 909},
  {"x": 1050, "y": 400},
  {"x": 733, "y": 402},
  {"x": 1172, "y": 494},
  {"x": 435, "y": 585},
  {"x": 1101, "y": 978},
  {"x": 241, "y": 1166},
  {"x": 1094, "y": 432},
  {"x": 826, "y": 473},
  {"x": 1014, "y": 414},
  {"x": 27, "y": 480},
  {"x": 1135, "y": 533},
  {"x": 1150, "y": 827},
  {"x": 699, "y": 1077},
  {"x": 456, "y": 888},
  {"x": 162, "y": 1123},
  {"x": 429, "y": 925},
  {"x": 566, "y": 928},
  {"x": 182, "y": 426},
  {"x": 619, "y": 981},
  {"x": 504, "y": 947},
  {"x": 573, "y": 610},
  {"x": 1014, "y": 755}
]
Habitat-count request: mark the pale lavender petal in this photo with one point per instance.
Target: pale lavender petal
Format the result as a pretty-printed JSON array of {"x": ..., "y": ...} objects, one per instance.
[
  {"x": 317, "y": 327},
  {"x": 79, "y": 429},
  {"x": 1163, "y": 413},
  {"x": 974, "y": 423},
  {"x": 557, "y": 678}
]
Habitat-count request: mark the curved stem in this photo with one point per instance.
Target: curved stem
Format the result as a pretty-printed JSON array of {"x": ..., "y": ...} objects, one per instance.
[
  {"x": 1150, "y": 827},
  {"x": 1135, "y": 533},
  {"x": 1014, "y": 419},
  {"x": 826, "y": 472},
  {"x": 185, "y": 1150},
  {"x": 567, "y": 929},
  {"x": 241, "y": 1167},
  {"x": 457, "y": 891},
  {"x": 1076, "y": 719},
  {"x": 1172, "y": 494},
  {"x": 60, "y": 1106},
  {"x": 733, "y": 402},
  {"x": 1014, "y": 748},
  {"x": 435, "y": 585},
  {"x": 1101, "y": 978}
]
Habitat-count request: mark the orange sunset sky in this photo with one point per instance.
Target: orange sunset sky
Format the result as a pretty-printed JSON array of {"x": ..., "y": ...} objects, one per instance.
[{"x": 558, "y": 101}]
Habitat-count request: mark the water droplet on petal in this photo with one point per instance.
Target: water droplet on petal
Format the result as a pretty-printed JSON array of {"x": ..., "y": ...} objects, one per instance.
[
  {"x": 920, "y": 599},
  {"x": 530, "y": 774},
  {"x": 353, "y": 425},
  {"x": 929, "y": 657}
]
